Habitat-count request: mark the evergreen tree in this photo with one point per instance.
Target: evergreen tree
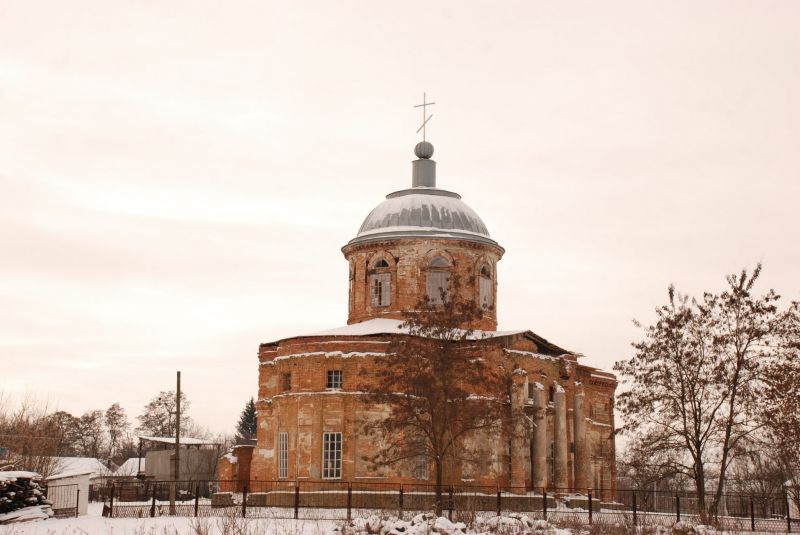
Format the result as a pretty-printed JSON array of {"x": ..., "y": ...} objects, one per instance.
[{"x": 246, "y": 428}]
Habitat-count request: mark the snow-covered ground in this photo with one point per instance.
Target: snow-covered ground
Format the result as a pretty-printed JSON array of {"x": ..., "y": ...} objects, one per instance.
[
  {"x": 421, "y": 524},
  {"x": 95, "y": 524}
]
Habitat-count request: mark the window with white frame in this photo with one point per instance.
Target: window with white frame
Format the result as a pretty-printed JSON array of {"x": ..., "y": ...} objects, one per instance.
[
  {"x": 334, "y": 381},
  {"x": 381, "y": 289},
  {"x": 283, "y": 455},
  {"x": 438, "y": 280},
  {"x": 485, "y": 287},
  {"x": 420, "y": 460},
  {"x": 331, "y": 455}
]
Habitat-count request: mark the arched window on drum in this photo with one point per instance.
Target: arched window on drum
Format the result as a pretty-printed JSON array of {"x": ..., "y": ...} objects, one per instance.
[
  {"x": 380, "y": 284},
  {"x": 438, "y": 280},
  {"x": 485, "y": 288}
]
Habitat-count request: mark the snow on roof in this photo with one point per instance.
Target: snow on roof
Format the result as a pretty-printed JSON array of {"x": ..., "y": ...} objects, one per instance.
[
  {"x": 130, "y": 467},
  {"x": 76, "y": 466},
  {"x": 13, "y": 475},
  {"x": 391, "y": 326},
  {"x": 185, "y": 441}
]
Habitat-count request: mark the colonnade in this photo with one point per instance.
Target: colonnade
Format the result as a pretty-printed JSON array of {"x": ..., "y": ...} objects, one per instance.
[{"x": 561, "y": 480}]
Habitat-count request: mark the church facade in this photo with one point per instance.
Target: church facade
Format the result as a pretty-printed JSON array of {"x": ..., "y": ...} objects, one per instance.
[{"x": 410, "y": 245}]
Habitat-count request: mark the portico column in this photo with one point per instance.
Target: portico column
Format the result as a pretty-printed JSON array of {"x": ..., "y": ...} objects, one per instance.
[
  {"x": 561, "y": 447},
  {"x": 581, "y": 451},
  {"x": 519, "y": 392},
  {"x": 539, "y": 437}
]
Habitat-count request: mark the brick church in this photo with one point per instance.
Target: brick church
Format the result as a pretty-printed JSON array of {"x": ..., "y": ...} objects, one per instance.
[{"x": 408, "y": 246}]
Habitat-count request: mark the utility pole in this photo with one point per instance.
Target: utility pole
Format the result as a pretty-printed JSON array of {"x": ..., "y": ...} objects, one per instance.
[
  {"x": 176, "y": 458},
  {"x": 178, "y": 430}
]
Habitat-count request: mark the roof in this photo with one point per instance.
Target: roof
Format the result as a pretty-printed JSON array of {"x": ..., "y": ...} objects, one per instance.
[
  {"x": 185, "y": 441},
  {"x": 423, "y": 212},
  {"x": 391, "y": 326},
  {"x": 130, "y": 467},
  {"x": 378, "y": 326},
  {"x": 76, "y": 466}
]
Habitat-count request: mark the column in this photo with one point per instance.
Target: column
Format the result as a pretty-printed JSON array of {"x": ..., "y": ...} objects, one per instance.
[
  {"x": 539, "y": 437},
  {"x": 561, "y": 440},
  {"x": 519, "y": 393},
  {"x": 582, "y": 481}
]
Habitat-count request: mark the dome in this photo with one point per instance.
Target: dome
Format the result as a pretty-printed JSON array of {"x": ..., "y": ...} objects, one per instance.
[{"x": 423, "y": 212}]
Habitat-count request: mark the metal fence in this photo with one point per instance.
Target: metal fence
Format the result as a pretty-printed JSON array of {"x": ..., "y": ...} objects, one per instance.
[
  {"x": 346, "y": 500},
  {"x": 64, "y": 499}
]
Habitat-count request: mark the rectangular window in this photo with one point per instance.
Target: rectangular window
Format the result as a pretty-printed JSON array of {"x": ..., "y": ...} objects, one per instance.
[
  {"x": 438, "y": 282},
  {"x": 486, "y": 292},
  {"x": 531, "y": 390},
  {"x": 420, "y": 460},
  {"x": 421, "y": 467},
  {"x": 331, "y": 455},
  {"x": 287, "y": 382},
  {"x": 334, "y": 380},
  {"x": 283, "y": 455},
  {"x": 381, "y": 285}
]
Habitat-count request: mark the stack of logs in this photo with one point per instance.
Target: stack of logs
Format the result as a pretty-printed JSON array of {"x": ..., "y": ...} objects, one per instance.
[{"x": 20, "y": 489}]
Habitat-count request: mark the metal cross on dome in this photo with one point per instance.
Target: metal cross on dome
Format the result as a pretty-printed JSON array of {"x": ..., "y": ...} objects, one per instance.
[{"x": 424, "y": 105}]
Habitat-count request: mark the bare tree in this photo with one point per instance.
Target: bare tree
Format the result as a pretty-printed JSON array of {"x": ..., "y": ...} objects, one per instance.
[
  {"x": 117, "y": 425},
  {"x": 90, "y": 435},
  {"x": 31, "y": 437},
  {"x": 436, "y": 388},
  {"x": 158, "y": 417},
  {"x": 694, "y": 380},
  {"x": 780, "y": 405}
]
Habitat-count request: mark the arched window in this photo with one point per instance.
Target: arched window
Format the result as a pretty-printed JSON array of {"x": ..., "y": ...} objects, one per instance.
[
  {"x": 485, "y": 288},
  {"x": 438, "y": 281},
  {"x": 351, "y": 281},
  {"x": 380, "y": 284}
]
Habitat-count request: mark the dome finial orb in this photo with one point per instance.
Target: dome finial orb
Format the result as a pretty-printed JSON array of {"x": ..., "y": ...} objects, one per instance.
[{"x": 424, "y": 150}]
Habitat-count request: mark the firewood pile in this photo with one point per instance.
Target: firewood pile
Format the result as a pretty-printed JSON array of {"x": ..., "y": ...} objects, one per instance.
[{"x": 19, "y": 490}]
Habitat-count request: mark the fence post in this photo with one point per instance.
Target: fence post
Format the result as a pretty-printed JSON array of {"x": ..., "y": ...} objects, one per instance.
[
  {"x": 349, "y": 501},
  {"x": 78, "y": 503},
  {"x": 544, "y": 502},
  {"x": 244, "y": 501},
  {"x": 296, "y": 501},
  {"x": 678, "y": 507},
  {"x": 401, "y": 502},
  {"x": 590, "y": 506},
  {"x": 111, "y": 503},
  {"x": 635, "y": 520},
  {"x": 499, "y": 502},
  {"x": 153, "y": 504},
  {"x": 196, "y": 498},
  {"x": 752, "y": 515},
  {"x": 450, "y": 503},
  {"x": 788, "y": 512}
]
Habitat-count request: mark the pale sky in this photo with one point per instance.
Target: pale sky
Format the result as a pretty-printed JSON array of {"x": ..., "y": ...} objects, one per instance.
[{"x": 177, "y": 178}]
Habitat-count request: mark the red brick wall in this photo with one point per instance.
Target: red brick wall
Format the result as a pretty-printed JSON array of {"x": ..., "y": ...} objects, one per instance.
[
  {"x": 308, "y": 410},
  {"x": 408, "y": 263}
]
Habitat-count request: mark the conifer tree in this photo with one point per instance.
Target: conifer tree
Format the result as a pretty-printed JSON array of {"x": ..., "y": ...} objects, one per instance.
[{"x": 246, "y": 428}]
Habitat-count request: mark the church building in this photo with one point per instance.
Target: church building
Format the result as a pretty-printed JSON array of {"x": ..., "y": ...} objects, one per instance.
[{"x": 411, "y": 245}]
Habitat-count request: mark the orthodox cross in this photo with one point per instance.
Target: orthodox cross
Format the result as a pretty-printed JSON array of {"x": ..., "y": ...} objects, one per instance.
[{"x": 424, "y": 105}]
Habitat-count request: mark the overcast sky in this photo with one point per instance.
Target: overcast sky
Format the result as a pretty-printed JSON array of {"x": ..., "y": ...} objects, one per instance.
[{"x": 177, "y": 178}]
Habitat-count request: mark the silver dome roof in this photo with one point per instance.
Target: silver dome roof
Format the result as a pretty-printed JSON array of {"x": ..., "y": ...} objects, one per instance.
[{"x": 423, "y": 212}]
